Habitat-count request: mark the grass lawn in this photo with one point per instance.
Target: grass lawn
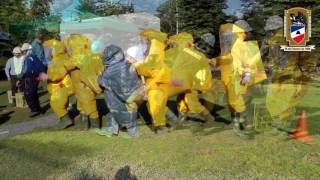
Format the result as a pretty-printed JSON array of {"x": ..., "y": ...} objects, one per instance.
[
  {"x": 215, "y": 154},
  {"x": 12, "y": 115}
]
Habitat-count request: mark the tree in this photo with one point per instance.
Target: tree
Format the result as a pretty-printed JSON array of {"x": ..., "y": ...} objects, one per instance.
[
  {"x": 10, "y": 12},
  {"x": 40, "y": 8},
  {"x": 167, "y": 12},
  {"x": 196, "y": 17},
  {"x": 116, "y": 9},
  {"x": 90, "y": 8},
  {"x": 86, "y": 9}
]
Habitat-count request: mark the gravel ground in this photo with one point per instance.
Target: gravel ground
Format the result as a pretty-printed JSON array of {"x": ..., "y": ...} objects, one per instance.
[{"x": 24, "y": 127}]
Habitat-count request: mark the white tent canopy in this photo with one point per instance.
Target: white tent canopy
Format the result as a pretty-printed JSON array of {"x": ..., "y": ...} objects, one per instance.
[{"x": 122, "y": 30}]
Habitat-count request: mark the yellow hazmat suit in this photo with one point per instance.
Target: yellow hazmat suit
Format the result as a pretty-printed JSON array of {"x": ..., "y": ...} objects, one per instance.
[
  {"x": 59, "y": 81},
  {"x": 85, "y": 68},
  {"x": 191, "y": 68},
  {"x": 157, "y": 75},
  {"x": 238, "y": 58}
]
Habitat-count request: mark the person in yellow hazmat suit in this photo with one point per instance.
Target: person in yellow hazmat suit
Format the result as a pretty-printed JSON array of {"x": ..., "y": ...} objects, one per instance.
[
  {"x": 85, "y": 67},
  {"x": 241, "y": 68},
  {"x": 189, "y": 68},
  {"x": 59, "y": 81},
  {"x": 157, "y": 76},
  {"x": 288, "y": 74}
]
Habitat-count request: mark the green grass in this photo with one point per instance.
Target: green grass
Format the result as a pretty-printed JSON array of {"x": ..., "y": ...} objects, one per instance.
[
  {"x": 63, "y": 154},
  {"x": 216, "y": 154},
  {"x": 12, "y": 115}
]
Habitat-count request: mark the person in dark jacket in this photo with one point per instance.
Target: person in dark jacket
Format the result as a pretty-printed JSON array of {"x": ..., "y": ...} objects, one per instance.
[
  {"x": 38, "y": 49},
  {"x": 33, "y": 71},
  {"x": 121, "y": 88}
]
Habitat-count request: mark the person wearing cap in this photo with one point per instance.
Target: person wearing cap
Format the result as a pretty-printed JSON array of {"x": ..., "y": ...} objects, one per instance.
[
  {"x": 33, "y": 71},
  {"x": 241, "y": 68},
  {"x": 120, "y": 82},
  {"x": 13, "y": 70}
]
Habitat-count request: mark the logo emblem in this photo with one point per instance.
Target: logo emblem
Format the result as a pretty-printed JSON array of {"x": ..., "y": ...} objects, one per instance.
[
  {"x": 297, "y": 29},
  {"x": 298, "y": 33}
]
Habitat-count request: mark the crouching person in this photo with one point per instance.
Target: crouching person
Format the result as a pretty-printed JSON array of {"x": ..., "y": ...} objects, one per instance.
[{"x": 121, "y": 86}]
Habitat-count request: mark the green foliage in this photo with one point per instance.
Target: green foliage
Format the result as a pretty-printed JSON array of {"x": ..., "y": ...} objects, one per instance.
[
  {"x": 167, "y": 14},
  {"x": 11, "y": 11},
  {"x": 114, "y": 9},
  {"x": 88, "y": 9},
  {"x": 40, "y": 8},
  {"x": 196, "y": 17},
  {"x": 215, "y": 154},
  {"x": 22, "y": 24}
]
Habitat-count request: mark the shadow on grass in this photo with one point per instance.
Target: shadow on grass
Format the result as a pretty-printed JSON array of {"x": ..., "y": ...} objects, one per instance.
[
  {"x": 5, "y": 117},
  {"x": 84, "y": 175},
  {"x": 125, "y": 173},
  {"x": 52, "y": 155},
  {"x": 3, "y": 92}
]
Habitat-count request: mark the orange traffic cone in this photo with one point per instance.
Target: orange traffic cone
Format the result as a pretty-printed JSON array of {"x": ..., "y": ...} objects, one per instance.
[{"x": 301, "y": 132}]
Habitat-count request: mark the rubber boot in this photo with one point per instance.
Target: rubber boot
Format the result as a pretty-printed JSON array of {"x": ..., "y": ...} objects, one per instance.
[
  {"x": 182, "y": 117},
  {"x": 159, "y": 130},
  {"x": 94, "y": 123},
  {"x": 84, "y": 121},
  {"x": 173, "y": 120},
  {"x": 239, "y": 126},
  {"x": 197, "y": 116},
  {"x": 207, "y": 116},
  {"x": 65, "y": 122},
  {"x": 133, "y": 131}
]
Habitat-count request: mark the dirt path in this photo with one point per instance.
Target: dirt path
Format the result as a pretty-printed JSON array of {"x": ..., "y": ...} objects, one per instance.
[{"x": 24, "y": 127}]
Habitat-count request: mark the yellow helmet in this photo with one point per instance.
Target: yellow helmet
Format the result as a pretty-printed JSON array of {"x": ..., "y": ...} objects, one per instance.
[
  {"x": 56, "y": 45},
  {"x": 154, "y": 34}
]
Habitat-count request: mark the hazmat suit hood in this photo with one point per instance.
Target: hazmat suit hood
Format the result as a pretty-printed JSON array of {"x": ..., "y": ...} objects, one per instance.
[
  {"x": 112, "y": 55},
  {"x": 182, "y": 40},
  {"x": 151, "y": 34},
  {"x": 118, "y": 78},
  {"x": 56, "y": 46},
  {"x": 78, "y": 44}
]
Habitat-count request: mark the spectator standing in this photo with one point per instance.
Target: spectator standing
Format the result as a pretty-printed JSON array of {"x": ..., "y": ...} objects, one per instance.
[
  {"x": 13, "y": 71},
  {"x": 32, "y": 71}
]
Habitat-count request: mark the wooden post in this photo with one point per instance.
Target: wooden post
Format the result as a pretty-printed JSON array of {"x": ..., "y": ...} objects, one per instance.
[
  {"x": 10, "y": 97},
  {"x": 20, "y": 100}
]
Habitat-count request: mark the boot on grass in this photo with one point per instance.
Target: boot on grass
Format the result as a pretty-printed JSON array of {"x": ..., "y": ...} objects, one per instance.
[{"x": 65, "y": 122}]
